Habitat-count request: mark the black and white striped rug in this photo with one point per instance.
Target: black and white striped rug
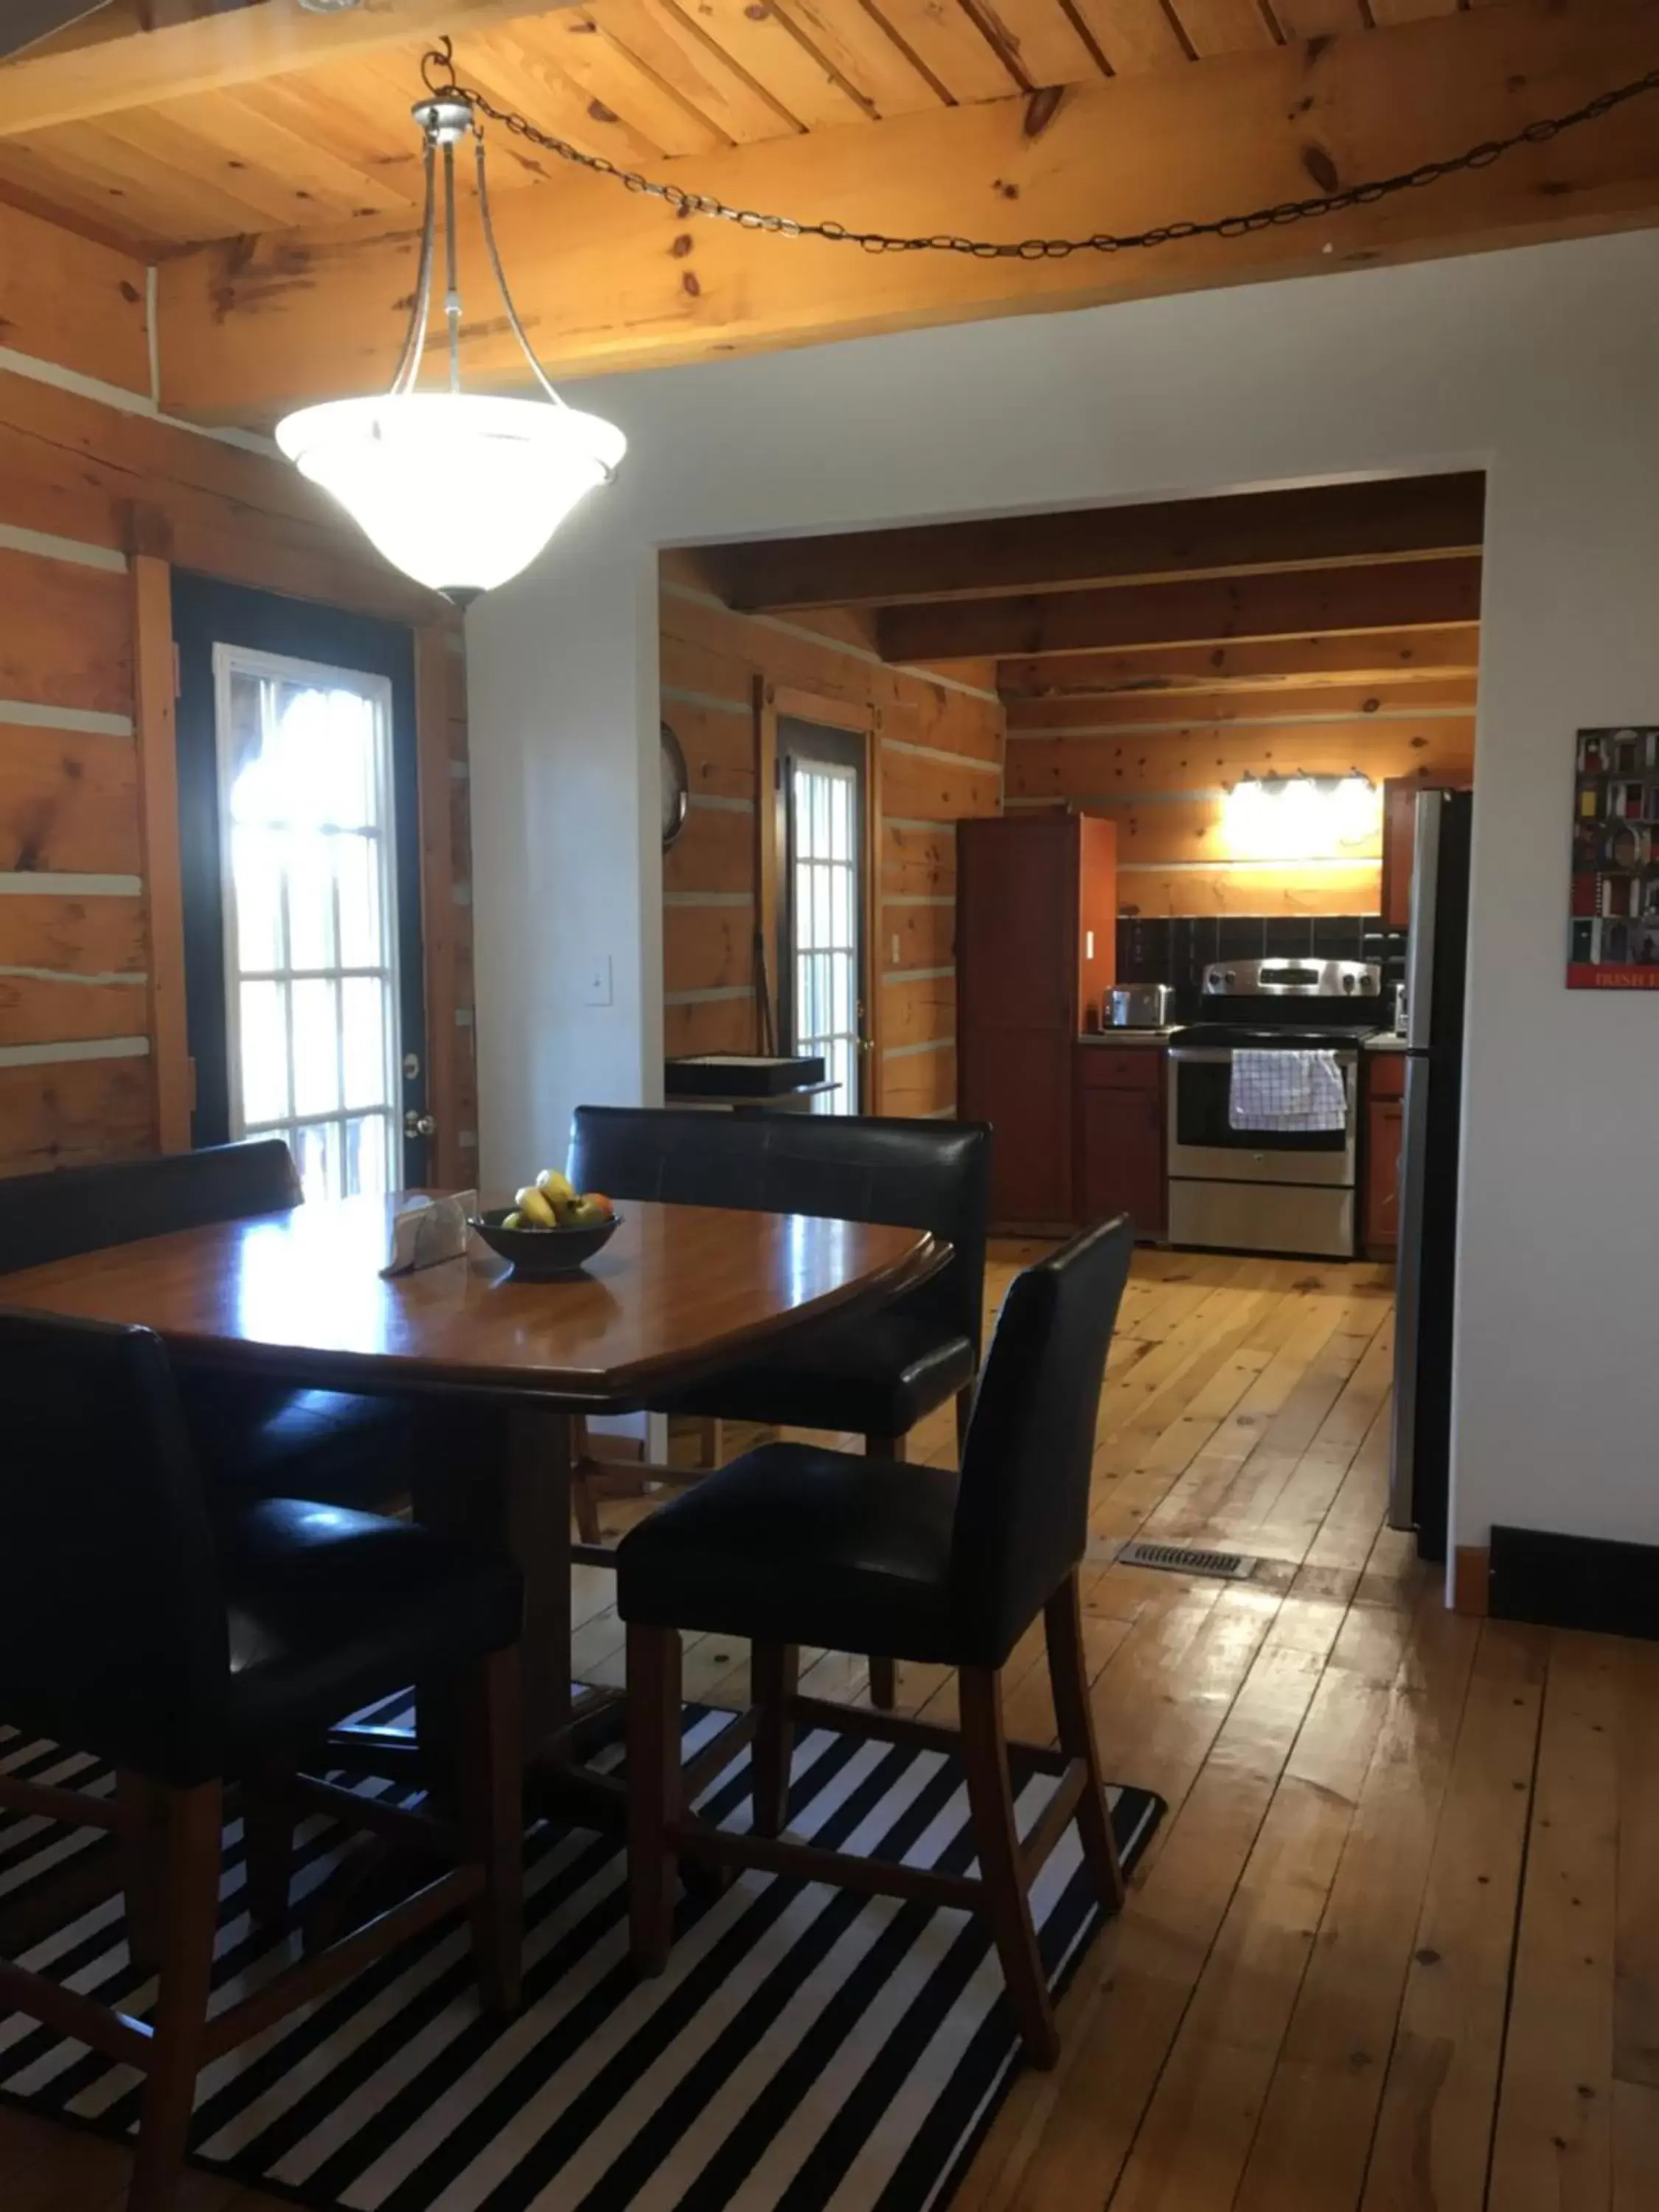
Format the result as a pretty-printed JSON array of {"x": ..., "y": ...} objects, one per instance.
[{"x": 808, "y": 2050}]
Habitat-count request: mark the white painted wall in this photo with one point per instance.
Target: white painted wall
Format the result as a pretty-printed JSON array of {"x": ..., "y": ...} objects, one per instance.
[{"x": 1542, "y": 365}]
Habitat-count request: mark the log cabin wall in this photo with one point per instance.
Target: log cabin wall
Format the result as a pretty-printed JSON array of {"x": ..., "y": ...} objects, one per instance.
[
  {"x": 99, "y": 498},
  {"x": 1160, "y": 769},
  {"x": 937, "y": 756}
]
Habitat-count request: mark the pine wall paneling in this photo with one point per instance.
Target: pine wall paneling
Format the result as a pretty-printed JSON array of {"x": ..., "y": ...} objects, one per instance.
[
  {"x": 1164, "y": 781},
  {"x": 99, "y": 498},
  {"x": 938, "y": 756}
]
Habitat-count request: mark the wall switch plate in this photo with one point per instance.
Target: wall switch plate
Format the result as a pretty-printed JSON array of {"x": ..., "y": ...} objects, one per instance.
[
  {"x": 1088, "y": 944},
  {"x": 895, "y": 949},
  {"x": 596, "y": 984}
]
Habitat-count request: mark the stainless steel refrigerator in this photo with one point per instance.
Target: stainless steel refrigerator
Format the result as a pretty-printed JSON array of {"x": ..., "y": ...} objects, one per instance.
[{"x": 1426, "y": 1291}]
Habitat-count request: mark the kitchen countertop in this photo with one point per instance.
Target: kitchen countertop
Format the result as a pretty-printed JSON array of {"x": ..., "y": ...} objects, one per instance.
[
  {"x": 1145, "y": 1038},
  {"x": 1385, "y": 1041}
]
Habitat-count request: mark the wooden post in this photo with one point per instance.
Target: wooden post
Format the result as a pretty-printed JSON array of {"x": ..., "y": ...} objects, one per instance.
[{"x": 155, "y": 696}]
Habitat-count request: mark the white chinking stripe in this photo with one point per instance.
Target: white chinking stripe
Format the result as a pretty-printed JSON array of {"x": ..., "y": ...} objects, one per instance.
[
  {"x": 715, "y": 804},
  {"x": 937, "y": 753},
  {"x": 36, "y": 714},
  {"x": 677, "y": 696},
  {"x": 70, "y": 975},
  {"x": 50, "y": 1055},
  {"x": 916, "y": 974},
  {"x": 128, "y": 403},
  {"x": 16, "y": 539},
  {"x": 37, "y": 883},
  {"x": 909, "y": 1051},
  {"x": 706, "y": 898},
  {"x": 711, "y": 997}
]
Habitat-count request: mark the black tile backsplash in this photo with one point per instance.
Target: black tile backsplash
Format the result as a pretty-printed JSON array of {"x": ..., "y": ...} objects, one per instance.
[{"x": 1153, "y": 950}]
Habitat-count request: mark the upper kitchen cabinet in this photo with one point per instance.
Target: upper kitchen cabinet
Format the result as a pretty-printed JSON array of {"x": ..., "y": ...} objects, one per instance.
[{"x": 1036, "y": 932}]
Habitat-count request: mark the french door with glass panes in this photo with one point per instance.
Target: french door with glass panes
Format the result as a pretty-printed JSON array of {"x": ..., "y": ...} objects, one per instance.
[
  {"x": 821, "y": 913},
  {"x": 297, "y": 801},
  {"x": 306, "y": 838}
]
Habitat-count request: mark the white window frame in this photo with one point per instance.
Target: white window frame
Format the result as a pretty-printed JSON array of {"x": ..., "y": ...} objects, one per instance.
[
  {"x": 230, "y": 660},
  {"x": 845, "y": 1099}
]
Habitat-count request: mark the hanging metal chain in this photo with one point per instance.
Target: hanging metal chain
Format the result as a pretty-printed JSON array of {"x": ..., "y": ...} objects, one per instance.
[{"x": 438, "y": 68}]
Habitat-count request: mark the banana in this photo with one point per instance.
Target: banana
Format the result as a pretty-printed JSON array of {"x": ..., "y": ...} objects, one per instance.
[{"x": 536, "y": 1212}]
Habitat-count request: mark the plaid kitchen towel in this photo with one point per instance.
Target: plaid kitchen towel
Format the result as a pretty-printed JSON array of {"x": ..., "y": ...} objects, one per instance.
[{"x": 1289, "y": 1090}]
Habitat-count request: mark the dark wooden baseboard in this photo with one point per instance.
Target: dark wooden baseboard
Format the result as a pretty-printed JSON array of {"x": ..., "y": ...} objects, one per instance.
[
  {"x": 1574, "y": 1581},
  {"x": 1471, "y": 1575}
]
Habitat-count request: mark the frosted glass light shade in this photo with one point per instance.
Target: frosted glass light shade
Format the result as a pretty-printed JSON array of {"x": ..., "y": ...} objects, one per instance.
[{"x": 460, "y": 489}]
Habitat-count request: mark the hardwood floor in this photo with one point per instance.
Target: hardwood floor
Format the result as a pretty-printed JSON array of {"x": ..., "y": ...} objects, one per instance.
[{"x": 1396, "y": 1947}]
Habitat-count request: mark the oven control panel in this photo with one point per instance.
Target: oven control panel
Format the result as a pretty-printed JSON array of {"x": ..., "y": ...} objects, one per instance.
[{"x": 1293, "y": 979}]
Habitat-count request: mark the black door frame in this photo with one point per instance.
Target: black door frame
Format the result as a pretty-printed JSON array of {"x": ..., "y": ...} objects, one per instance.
[{"x": 207, "y": 613}]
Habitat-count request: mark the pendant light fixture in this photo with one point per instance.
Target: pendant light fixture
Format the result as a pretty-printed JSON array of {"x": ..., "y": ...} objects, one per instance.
[{"x": 460, "y": 489}]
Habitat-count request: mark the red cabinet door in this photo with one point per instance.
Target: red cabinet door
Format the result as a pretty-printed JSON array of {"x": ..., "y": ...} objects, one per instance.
[
  {"x": 1022, "y": 1086},
  {"x": 1121, "y": 1156},
  {"x": 1384, "y": 1133}
]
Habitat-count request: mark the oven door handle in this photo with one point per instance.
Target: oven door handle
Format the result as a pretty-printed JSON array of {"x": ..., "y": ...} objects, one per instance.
[{"x": 1196, "y": 1056}]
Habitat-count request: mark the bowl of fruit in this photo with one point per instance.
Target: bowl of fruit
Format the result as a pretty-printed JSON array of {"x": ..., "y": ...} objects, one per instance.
[{"x": 550, "y": 1228}]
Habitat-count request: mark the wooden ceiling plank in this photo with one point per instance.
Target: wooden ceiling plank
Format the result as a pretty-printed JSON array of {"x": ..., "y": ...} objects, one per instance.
[
  {"x": 165, "y": 197},
  {"x": 1400, "y": 595},
  {"x": 382, "y": 147},
  {"x": 576, "y": 42},
  {"x": 1324, "y": 18},
  {"x": 1227, "y": 536},
  {"x": 519, "y": 75},
  {"x": 1043, "y": 43},
  {"x": 295, "y": 176},
  {"x": 64, "y": 299},
  {"x": 1133, "y": 34},
  {"x": 1401, "y": 657},
  {"x": 598, "y": 273},
  {"x": 113, "y": 75},
  {"x": 951, "y": 44},
  {"x": 1224, "y": 27},
  {"x": 863, "y": 53},
  {"x": 761, "y": 42},
  {"x": 670, "y": 44}
]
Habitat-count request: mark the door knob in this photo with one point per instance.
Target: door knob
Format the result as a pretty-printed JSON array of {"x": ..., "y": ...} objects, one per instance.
[{"x": 417, "y": 1124}]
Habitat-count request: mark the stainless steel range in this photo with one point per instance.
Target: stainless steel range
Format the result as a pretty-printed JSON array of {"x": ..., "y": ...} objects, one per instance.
[{"x": 1267, "y": 1190}]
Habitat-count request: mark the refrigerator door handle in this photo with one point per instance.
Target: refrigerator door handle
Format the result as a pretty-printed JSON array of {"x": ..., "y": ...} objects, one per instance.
[
  {"x": 1419, "y": 948},
  {"x": 1408, "y": 1295}
]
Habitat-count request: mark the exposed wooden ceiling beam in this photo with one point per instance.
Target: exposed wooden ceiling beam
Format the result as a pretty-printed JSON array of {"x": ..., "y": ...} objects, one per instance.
[
  {"x": 610, "y": 279},
  {"x": 1293, "y": 663},
  {"x": 1324, "y": 527},
  {"x": 1211, "y": 610},
  {"x": 107, "y": 75}
]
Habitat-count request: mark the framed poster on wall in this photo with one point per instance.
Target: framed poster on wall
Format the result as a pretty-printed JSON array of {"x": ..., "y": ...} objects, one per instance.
[{"x": 1613, "y": 936}]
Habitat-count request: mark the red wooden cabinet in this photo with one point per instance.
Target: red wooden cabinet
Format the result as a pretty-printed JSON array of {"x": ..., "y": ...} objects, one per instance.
[
  {"x": 1037, "y": 920},
  {"x": 1119, "y": 1135}
]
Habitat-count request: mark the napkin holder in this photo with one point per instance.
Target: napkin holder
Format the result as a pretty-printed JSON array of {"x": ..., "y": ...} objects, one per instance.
[{"x": 427, "y": 1231}]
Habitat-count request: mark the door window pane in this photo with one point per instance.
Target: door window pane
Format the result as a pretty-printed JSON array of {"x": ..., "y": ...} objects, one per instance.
[
  {"x": 825, "y": 909},
  {"x": 311, "y": 951}
]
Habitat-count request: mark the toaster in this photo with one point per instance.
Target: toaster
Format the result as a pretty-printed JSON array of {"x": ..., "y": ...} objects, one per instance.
[{"x": 1136, "y": 1007}]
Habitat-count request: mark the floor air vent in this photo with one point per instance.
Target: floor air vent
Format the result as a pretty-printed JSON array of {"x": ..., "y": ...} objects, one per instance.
[{"x": 1187, "y": 1559}]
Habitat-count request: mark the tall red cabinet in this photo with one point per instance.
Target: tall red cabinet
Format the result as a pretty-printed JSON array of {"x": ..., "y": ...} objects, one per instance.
[{"x": 1036, "y": 942}]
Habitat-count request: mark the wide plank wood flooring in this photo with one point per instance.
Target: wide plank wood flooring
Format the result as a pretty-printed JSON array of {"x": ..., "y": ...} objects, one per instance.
[{"x": 1396, "y": 1948}]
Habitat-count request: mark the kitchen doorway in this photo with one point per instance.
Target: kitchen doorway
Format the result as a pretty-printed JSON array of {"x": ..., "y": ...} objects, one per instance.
[{"x": 823, "y": 942}]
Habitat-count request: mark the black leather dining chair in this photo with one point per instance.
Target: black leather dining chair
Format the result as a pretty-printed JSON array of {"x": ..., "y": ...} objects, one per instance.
[
  {"x": 184, "y": 1653},
  {"x": 791, "y": 1544},
  {"x": 252, "y": 1437},
  {"x": 876, "y": 1374}
]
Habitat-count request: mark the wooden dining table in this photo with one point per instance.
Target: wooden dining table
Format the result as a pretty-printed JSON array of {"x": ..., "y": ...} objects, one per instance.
[{"x": 499, "y": 1368}]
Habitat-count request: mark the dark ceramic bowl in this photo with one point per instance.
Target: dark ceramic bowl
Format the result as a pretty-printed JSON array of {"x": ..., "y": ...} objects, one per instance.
[{"x": 541, "y": 1254}]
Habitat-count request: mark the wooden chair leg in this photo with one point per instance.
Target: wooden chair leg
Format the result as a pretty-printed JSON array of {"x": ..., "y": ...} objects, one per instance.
[
  {"x": 268, "y": 1816},
  {"x": 773, "y": 1676},
  {"x": 1062, "y": 1623},
  {"x": 965, "y": 1414},
  {"x": 190, "y": 1916},
  {"x": 884, "y": 1671},
  {"x": 582, "y": 1498},
  {"x": 492, "y": 1826},
  {"x": 991, "y": 1801},
  {"x": 653, "y": 1790},
  {"x": 140, "y": 1811}
]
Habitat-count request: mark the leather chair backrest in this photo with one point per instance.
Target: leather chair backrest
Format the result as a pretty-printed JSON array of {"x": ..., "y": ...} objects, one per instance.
[
  {"x": 74, "y": 1209},
  {"x": 845, "y": 1167},
  {"x": 112, "y": 1634},
  {"x": 1023, "y": 1503}
]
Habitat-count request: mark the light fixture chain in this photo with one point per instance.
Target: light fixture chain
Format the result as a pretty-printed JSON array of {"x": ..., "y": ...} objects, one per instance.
[{"x": 439, "y": 71}]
